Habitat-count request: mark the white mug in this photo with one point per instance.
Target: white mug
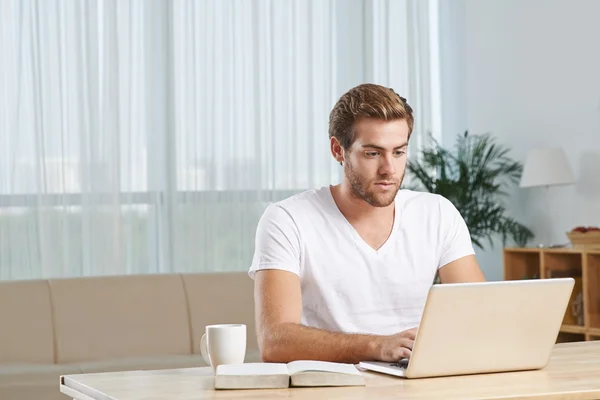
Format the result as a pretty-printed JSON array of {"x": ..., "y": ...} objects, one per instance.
[{"x": 224, "y": 344}]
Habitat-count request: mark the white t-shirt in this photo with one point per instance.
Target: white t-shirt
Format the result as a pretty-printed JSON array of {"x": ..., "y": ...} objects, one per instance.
[{"x": 347, "y": 286}]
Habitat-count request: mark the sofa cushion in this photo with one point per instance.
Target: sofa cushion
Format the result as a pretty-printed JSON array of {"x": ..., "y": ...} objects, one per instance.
[
  {"x": 152, "y": 363},
  {"x": 26, "y": 333},
  {"x": 31, "y": 391},
  {"x": 103, "y": 318},
  {"x": 220, "y": 298},
  {"x": 34, "y": 374},
  {"x": 141, "y": 363}
]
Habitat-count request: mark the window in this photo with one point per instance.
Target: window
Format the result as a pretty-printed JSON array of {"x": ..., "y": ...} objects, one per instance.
[{"x": 140, "y": 137}]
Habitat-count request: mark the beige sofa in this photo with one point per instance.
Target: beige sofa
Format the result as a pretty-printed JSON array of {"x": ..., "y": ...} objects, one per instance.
[{"x": 65, "y": 326}]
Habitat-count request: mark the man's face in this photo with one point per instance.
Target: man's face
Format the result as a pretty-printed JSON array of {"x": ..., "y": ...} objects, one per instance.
[{"x": 375, "y": 163}]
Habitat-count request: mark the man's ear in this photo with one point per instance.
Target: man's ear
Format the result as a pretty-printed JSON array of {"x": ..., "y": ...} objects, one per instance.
[{"x": 337, "y": 151}]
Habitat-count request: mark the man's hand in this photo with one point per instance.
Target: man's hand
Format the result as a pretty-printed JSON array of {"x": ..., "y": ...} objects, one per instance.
[
  {"x": 281, "y": 337},
  {"x": 395, "y": 347}
]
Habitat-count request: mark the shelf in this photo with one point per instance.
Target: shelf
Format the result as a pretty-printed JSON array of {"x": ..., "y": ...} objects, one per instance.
[
  {"x": 522, "y": 250},
  {"x": 564, "y": 337},
  {"x": 521, "y": 265},
  {"x": 570, "y": 263},
  {"x": 592, "y": 298},
  {"x": 582, "y": 316},
  {"x": 565, "y": 250},
  {"x": 594, "y": 331},
  {"x": 573, "y": 328},
  {"x": 559, "y": 250}
]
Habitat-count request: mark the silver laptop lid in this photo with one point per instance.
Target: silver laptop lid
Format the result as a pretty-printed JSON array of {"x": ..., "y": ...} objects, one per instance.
[{"x": 489, "y": 326}]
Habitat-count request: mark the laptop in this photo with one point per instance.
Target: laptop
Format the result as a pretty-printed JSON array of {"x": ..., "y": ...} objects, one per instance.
[{"x": 474, "y": 328}]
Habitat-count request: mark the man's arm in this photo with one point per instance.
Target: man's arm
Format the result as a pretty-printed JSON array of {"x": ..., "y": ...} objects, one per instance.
[
  {"x": 281, "y": 337},
  {"x": 465, "y": 269}
]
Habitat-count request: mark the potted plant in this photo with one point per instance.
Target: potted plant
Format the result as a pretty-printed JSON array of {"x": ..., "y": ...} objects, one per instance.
[{"x": 475, "y": 177}]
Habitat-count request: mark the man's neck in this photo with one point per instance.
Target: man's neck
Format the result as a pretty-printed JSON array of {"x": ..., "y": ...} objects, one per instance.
[{"x": 357, "y": 210}]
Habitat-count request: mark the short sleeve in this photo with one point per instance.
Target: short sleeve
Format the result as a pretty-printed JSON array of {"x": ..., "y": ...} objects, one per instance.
[
  {"x": 277, "y": 243},
  {"x": 456, "y": 240}
]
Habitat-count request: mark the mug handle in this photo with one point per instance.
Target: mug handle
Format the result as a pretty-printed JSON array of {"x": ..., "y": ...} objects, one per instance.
[{"x": 204, "y": 350}]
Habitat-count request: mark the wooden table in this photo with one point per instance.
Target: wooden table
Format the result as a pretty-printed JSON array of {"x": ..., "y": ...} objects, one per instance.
[{"x": 573, "y": 373}]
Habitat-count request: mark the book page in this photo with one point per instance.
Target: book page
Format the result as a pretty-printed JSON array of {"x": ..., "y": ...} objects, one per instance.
[
  {"x": 295, "y": 367},
  {"x": 252, "y": 369}
]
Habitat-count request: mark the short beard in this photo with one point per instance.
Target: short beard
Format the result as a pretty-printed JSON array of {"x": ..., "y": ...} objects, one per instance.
[{"x": 360, "y": 189}]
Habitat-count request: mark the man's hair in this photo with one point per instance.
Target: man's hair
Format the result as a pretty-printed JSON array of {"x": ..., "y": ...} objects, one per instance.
[{"x": 366, "y": 100}]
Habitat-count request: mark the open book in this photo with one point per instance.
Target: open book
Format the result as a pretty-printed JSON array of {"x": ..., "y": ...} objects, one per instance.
[{"x": 295, "y": 373}]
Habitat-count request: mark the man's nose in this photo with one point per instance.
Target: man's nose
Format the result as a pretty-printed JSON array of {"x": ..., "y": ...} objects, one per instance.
[{"x": 387, "y": 165}]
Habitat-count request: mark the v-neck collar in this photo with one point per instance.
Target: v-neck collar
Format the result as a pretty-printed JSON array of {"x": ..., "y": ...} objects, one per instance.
[{"x": 358, "y": 240}]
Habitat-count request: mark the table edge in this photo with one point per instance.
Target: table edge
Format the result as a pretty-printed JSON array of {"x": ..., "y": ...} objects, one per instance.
[{"x": 82, "y": 392}]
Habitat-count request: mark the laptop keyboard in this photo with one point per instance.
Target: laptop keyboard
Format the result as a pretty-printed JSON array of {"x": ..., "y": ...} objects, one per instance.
[{"x": 403, "y": 364}]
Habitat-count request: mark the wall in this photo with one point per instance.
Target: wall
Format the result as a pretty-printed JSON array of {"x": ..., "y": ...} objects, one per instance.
[{"x": 529, "y": 72}]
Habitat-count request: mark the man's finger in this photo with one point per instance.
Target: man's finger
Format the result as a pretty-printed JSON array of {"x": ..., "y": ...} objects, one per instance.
[
  {"x": 403, "y": 352},
  {"x": 406, "y": 342},
  {"x": 411, "y": 333}
]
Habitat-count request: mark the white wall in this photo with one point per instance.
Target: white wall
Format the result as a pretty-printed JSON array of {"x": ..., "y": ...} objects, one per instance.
[{"x": 529, "y": 72}]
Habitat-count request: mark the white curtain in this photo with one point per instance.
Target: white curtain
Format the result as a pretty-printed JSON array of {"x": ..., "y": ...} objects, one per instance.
[{"x": 149, "y": 136}]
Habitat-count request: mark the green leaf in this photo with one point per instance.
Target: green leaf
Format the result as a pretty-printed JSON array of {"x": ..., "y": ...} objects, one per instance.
[{"x": 475, "y": 176}]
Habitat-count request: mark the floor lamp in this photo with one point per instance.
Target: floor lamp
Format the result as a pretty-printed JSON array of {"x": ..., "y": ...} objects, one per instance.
[{"x": 546, "y": 167}]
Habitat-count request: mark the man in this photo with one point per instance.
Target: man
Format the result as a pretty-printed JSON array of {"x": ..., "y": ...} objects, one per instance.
[{"x": 342, "y": 272}]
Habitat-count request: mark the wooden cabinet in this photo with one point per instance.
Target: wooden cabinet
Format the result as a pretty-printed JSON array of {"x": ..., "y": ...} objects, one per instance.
[{"x": 582, "y": 319}]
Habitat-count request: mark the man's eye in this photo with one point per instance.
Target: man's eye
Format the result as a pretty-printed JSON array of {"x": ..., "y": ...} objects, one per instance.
[
  {"x": 371, "y": 153},
  {"x": 400, "y": 152}
]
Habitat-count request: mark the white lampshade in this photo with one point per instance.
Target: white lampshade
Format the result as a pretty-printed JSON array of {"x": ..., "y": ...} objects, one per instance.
[{"x": 547, "y": 167}]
